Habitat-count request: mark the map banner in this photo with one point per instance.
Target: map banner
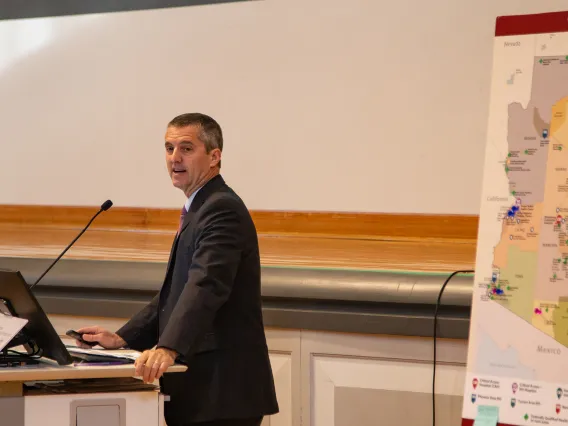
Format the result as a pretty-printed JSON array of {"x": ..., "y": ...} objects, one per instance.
[{"x": 518, "y": 341}]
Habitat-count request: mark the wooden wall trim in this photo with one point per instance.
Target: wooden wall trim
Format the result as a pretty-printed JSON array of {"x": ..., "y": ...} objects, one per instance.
[
  {"x": 368, "y": 225},
  {"x": 361, "y": 241},
  {"x": 142, "y": 219},
  {"x": 381, "y": 226}
]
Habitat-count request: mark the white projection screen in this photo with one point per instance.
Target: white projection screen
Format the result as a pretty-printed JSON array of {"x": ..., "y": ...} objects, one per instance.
[{"x": 326, "y": 105}]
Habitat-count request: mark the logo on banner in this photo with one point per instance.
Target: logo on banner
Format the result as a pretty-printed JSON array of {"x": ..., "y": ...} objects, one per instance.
[
  {"x": 513, "y": 402},
  {"x": 557, "y": 408},
  {"x": 559, "y": 393},
  {"x": 473, "y": 398},
  {"x": 515, "y": 387},
  {"x": 475, "y": 382}
]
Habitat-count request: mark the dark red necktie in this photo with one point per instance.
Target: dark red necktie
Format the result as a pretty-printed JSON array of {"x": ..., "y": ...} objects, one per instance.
[{"x": 182, "y": 217}]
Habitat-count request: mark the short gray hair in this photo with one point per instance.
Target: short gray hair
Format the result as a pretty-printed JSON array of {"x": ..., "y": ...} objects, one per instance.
[{"x": 211, "y": 134}]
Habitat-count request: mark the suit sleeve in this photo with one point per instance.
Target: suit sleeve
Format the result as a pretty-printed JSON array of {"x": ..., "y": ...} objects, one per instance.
[
  {"x": 212, "y": 272},
  {"x": 141, "y": 331}
]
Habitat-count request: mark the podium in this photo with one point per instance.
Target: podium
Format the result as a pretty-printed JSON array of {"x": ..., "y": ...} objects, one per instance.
[
  {"x": 48, "y": 394},
  {"x": 48, "y": 386}
]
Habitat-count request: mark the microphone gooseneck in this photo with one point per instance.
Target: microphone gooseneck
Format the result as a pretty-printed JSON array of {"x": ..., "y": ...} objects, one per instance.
[{"x": 104, "y": 207}]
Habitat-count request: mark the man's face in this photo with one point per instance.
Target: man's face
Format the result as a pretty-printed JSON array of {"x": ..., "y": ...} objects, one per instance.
[{"x": 189, "y": 165}]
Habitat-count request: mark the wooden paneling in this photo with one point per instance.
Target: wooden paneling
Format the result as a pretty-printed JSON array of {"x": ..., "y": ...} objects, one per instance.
[
  {"x": 142, "y": 219},
  {"x": 368, "y": 225},
  {"x": 294, "y": 239},
  {"x": 329, "y": 224}
]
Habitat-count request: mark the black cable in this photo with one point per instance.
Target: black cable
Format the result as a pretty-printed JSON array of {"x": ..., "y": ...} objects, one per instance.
[
  {"x": 453, "y": 274},
  {"x": 36, "y": 351},
  {"x": 7, "y": 355}
]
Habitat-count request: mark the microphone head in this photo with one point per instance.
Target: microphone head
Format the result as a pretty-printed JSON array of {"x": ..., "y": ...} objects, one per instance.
[{"x": 106, "y": 205}]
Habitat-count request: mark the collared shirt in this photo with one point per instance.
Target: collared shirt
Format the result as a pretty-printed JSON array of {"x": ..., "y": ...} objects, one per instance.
[{"x": 190, "y": 199}]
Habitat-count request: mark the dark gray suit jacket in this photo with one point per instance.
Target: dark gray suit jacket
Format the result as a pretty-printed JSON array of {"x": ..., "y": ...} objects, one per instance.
[{"x": 209, "y": 311}]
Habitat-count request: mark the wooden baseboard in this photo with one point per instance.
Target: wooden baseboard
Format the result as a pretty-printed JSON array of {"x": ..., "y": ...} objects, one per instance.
[
  {"x": 142, "y": 219},
  {"x": 367, "y": 225},
  {"x": 363, "y": 241},
  {"x": 297, "y": 223}
]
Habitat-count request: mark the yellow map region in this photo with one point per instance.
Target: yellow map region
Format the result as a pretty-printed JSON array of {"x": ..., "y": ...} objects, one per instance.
[{"x": 516, "y": 279}]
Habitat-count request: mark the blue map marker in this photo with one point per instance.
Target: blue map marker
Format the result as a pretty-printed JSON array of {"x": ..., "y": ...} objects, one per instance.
[{"x": 512, "y": 211}]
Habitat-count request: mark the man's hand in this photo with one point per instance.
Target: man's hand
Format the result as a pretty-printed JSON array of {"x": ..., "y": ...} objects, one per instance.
[
  {"x": 105, "y": 338},
  {"x": 152, "y": 364}
]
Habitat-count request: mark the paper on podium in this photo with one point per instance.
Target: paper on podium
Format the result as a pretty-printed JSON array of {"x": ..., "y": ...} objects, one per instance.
[
  {"x": 9, "y": 327},
  {"x": 111, "y": 353}
]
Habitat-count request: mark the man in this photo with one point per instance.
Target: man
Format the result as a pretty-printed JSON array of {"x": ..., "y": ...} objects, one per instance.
[{"x": 207, "y": 314}]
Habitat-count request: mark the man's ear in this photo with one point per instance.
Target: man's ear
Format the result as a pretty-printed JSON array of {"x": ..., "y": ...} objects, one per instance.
[{"x": 215, "y": 157}]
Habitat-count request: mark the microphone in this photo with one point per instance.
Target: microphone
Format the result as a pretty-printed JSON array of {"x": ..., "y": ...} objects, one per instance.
[{"x": 104, "y": 207}]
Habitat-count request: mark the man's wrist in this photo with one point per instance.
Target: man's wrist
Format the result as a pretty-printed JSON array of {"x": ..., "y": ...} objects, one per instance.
[
  {"x": 120, "y": 341},
  {"x": 170, "y": 352}
]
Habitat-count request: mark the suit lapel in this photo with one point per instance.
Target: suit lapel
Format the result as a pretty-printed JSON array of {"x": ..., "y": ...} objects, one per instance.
[
  {"x": 209, "y": 188},
  {"x": 172, "y": 253}
]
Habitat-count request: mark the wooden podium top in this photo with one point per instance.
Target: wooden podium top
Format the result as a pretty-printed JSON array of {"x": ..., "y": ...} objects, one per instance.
[{"x": 50, "y": 370}]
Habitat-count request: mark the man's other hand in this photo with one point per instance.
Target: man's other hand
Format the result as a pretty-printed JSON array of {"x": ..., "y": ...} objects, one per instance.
[
  {"x": 152, "y": 364},
  {"x": 107, "y": 339}
]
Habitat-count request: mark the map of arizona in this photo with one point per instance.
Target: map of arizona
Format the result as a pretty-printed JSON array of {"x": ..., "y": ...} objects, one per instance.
[{"x": 530, "y": 262}]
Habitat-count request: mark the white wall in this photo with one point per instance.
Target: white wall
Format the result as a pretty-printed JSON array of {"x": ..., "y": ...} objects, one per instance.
[{"x": 358, "y": 105}]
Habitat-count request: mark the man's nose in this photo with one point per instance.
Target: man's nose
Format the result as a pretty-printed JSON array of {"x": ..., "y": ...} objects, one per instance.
[{"x": 176, "y": 155}]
